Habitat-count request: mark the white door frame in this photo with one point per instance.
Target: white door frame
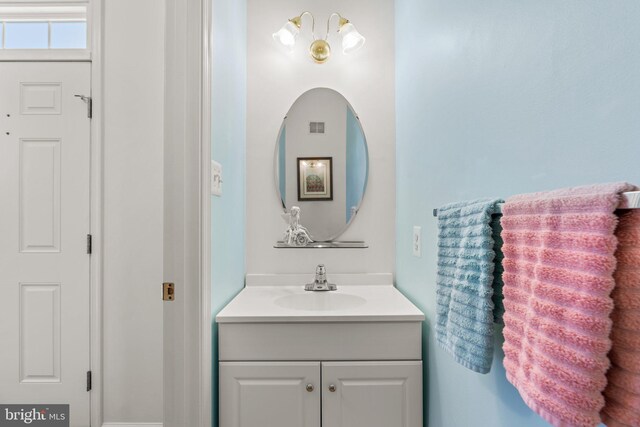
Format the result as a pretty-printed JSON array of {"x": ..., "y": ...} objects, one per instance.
[
  {"x": 97, "y": 207},
  {"x": 206, "y": 358},
  {"x": 200, "y": 60},
  {"x": 188, "y": 211},
  {"x": 198, "y": 383}
]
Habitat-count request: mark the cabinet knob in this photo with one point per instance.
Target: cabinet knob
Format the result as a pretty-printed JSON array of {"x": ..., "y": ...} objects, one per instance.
[
  {"x": 332, "y": 388},
  {"x": 309, "y": 388}
]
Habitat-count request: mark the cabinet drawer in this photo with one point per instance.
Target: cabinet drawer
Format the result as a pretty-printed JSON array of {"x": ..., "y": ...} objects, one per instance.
[{"x": 320, "y": 341}]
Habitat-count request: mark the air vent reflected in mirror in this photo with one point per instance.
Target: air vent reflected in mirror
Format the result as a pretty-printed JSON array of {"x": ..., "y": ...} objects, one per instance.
[{"x": 316, "y": 127}]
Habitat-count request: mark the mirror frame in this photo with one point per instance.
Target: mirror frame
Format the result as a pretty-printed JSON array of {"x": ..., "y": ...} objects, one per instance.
[{"x": 366, "y": 181}]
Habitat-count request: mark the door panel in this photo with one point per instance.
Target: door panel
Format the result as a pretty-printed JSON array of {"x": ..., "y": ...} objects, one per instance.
[
  {"x": 261, "y": 394},
  {"x": 39, "y": 333},
  {"x": 39, "y": 187},
  {"x": 372, "y": 394},
  {"x": 44, "y": 221}
]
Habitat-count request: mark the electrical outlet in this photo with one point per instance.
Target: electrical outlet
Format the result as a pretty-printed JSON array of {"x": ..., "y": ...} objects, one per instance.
[
  {"x": 216, "y": 178},
  {"x": 417, "y": 241}
]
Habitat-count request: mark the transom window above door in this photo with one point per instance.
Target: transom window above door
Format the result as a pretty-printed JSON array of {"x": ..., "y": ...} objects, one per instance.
[{"x": 44, "y": 31}]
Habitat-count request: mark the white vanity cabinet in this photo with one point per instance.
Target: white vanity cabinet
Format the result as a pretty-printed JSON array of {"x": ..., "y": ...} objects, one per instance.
[
  {"x": 347, "y": 394},
  {"x": 290, "y": 358}
]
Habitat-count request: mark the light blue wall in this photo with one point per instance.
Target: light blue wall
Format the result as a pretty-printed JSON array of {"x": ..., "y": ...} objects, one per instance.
[
  {"x": 228, "y": 148},
  {"x": 356, "y": 162},
  {"x": 495, "y": 98}
]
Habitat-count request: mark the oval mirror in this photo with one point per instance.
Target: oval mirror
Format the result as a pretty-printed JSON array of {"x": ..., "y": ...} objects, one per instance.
[{"x": 322, "y": 162}]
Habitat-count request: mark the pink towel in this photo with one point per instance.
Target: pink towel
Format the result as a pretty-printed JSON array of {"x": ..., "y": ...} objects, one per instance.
[
  {"x": 558, "y": 276},
  {"x": 622, "y": 395}
]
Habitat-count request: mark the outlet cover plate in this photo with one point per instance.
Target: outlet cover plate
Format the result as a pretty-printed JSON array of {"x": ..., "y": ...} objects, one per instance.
[
  {"x": 416, "y": 241},
  {"x": 216, "y": 178}
]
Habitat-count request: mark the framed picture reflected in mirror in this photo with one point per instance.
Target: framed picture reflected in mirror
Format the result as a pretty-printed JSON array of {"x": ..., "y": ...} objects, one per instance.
[{"x": 315, "y": 179}]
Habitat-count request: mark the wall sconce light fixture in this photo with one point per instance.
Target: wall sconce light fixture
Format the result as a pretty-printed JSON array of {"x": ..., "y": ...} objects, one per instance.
[{"x": 320, "y": 49}]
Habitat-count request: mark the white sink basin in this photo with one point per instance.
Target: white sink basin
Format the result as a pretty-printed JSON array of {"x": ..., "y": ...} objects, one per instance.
[
  {"x": 350, "y": 303},
  {"x": 320, "y": 301}
]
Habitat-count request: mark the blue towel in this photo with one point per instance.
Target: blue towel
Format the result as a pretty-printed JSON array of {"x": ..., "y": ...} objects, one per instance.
[{"x": 466, "y": 263}]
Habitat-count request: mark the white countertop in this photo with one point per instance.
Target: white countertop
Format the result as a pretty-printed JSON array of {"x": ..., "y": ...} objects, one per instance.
[{"x": 350, "y": 303}]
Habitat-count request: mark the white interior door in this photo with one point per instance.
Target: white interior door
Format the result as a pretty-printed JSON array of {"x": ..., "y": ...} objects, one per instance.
[{"x": 44, "y": 222}]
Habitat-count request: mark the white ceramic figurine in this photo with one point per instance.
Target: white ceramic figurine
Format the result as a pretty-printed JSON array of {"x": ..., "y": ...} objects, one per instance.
[{"x": 296, "y": 234}]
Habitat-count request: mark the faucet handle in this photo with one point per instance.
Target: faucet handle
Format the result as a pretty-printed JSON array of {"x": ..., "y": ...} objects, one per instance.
[
  {"x": 320, "y": 282},
  {"x": 321, "y": 274}
]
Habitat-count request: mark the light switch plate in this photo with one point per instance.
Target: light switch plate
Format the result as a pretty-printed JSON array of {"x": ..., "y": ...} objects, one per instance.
[
  {"x": 417, "y": 241},
  {"x": 216, "y": 178}
]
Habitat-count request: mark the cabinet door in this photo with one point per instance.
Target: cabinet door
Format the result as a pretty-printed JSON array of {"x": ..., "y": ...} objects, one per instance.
[
  {"x": 269, "y": 394},
  {"x": 372, "y": 394}
]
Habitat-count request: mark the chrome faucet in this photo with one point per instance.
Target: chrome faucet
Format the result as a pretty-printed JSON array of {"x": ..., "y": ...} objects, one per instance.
[{"x": 320, "y": 283}]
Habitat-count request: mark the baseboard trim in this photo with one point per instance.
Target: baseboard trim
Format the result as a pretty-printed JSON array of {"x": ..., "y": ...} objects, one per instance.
[{"x": 131, "y": 424}]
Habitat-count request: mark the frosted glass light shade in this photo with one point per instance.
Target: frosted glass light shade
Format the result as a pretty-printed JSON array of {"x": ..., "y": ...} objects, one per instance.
[
  {"x": 287, "y": 35},
  {"x": 352, "y": 40}
]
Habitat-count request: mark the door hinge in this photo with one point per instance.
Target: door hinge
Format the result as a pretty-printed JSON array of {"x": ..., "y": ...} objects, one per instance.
[
  {"x": 89, "y": 244},
  {"x": 88, "y": 380},
  {"x": 89, "y": 101}
]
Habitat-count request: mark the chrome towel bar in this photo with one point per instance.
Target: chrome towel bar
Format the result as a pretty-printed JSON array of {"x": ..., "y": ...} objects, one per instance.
[{"x": 629, "y": 200}]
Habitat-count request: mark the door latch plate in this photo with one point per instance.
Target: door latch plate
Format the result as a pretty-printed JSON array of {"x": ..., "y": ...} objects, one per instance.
[{"x": 168, "y": 291}]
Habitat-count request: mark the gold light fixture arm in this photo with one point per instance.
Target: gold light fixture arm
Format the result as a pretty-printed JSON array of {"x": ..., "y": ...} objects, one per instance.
[
  {"x": 297, "y": 21},
  {"x": 341, "y": 21}
]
